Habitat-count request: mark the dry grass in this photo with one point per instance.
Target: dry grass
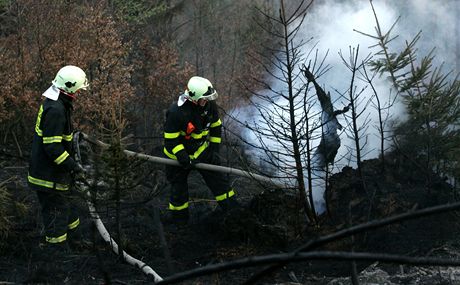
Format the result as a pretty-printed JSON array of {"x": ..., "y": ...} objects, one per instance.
[{"x": 10, "y": 209}]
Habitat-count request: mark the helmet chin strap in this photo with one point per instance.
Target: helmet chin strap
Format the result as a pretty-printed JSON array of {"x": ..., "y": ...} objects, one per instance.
[{"x": 71, "y": 95}]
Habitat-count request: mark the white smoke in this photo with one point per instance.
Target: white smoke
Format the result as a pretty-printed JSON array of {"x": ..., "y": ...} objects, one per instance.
[{"x": 333, "y": 25}]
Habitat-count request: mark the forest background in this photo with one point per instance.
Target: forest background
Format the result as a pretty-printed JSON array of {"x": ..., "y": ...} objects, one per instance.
[{"x": 138, "y": 56}]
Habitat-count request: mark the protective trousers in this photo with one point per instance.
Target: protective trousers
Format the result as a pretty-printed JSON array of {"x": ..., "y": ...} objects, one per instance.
[
  {"x": 217, "y": 182},
  {"x": 60, "y": 219}
]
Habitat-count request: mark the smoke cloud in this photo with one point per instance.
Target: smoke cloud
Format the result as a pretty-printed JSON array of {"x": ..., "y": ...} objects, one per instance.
[{"x": 331, "y": 23}]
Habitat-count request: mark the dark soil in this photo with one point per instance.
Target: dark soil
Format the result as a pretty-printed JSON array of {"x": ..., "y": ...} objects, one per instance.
[{"x": 268, "y": 222}]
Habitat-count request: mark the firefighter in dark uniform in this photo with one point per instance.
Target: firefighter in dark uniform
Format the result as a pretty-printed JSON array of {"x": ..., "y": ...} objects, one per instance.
[
  {"x": 51, "y": 167},
  {"x": 192, "y": 133}
]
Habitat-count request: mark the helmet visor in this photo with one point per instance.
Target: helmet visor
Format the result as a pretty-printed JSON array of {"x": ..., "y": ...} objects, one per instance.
[
  {"x": 210, "y": 95},
  {"x": 85, "y": 84}
]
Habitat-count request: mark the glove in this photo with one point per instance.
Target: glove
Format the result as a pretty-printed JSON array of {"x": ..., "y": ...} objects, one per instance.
[
  {"x": 190, "y": 165},
  {"x": 185, "y": 160}
]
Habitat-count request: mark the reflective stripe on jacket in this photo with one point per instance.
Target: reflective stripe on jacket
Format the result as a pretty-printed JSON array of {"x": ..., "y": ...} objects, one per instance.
[
  {"x": 189, "y": 129},
  {"x": 51, "y": 156}
]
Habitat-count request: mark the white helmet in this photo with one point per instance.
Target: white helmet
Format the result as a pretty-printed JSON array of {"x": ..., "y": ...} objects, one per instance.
[
  {"x": 200, "y": 88},
  {"x": 70, "y": 79}
]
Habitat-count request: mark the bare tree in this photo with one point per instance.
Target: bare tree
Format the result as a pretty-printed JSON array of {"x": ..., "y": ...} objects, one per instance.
[
  {"x": 358, "y": 104},
  {"x": 383, "y": 107},
  {"x": 284, "y": 133}
]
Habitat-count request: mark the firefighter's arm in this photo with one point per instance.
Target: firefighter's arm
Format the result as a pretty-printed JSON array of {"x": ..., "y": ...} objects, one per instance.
[
  {"x": 215, "y": 130},
  {"x": 53, "y": 130},
  {"x": 173, "y": 148}
]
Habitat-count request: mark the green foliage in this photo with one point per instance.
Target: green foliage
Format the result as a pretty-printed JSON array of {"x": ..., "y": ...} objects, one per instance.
[
  {"x": 5, "y": 3},
  {"x": 394, "y": 63},
  {"x": 138, "y": 11},
  {"x": 432, "y": 130}
]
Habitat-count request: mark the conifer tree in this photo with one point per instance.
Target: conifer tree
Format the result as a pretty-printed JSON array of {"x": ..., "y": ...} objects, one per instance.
[{"x": 429, "y": 137}]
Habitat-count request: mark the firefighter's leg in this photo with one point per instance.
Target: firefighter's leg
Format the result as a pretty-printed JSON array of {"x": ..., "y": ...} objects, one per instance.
[
  {"x": 75, "y": 237},
  {"x": 73, "y": 220},
  {"x": 54, "y": 205},
  {"x": 73, "y": 226},
  {"x": 220, "y": 187},
  {"x": 178, "y": 201}
]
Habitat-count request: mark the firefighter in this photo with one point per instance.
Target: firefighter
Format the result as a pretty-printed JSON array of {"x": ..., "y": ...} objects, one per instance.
[
  {"x": 192, "y": 134},
  {"x": 51, "y": 167}
]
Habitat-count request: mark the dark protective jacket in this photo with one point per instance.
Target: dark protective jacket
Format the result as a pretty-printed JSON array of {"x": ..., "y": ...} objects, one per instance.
[
  {"x": 190, "y": 129},
  {"x": 51, "y": 159}
]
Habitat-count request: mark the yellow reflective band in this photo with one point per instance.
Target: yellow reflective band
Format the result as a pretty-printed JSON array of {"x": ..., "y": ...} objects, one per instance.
[
  {"x": 178, "y": 208},
  {"x": 216, "y": 124},
  {"x": 172, "y": 135},
  {"x": 215, "y": 139},
  {"x": 192, "y": 156},
  {"x": 47, "y": 184},
  {"x": 67, "y": 137},
  {"x": 168, "y": 154},
  {"x": 62, "y": 157},
  {"x": 73, "y": 225},
  {"x": 55, "y": 139},
  {"x": 56, "y": 239},
  {"x": 200, "y": 135},
  {"x": 225, "y": 196},
  {"x": 37, "y": 124},
  {"x": 178, "y": 148},
  {"x": 200, "y": 150},
  {"x": 196, "y": 136}
]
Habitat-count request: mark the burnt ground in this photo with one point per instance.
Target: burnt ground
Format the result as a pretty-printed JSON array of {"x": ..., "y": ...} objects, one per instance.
[{"x": 267, "y": 223}]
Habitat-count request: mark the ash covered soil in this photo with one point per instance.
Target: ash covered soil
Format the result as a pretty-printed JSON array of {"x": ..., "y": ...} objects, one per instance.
[{"x": 268, "y": 222}]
